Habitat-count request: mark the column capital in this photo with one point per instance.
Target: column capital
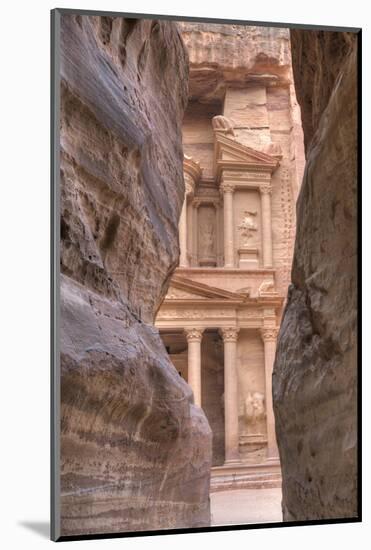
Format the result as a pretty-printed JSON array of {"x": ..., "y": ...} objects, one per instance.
[
  {"x": 226, "y": 187},
  {"x": 194, "y": 334},
  {"x": 265, "y": 189},
  {"x": 229, "y": 334},
  {"x": 269, "y": 334}
]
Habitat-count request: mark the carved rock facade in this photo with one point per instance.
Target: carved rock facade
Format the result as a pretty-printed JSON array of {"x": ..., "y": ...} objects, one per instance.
[
  {"x": 243, "y": 161},
  {"x": 135, "y": 451},
  {"x": 315, "y": 372}
]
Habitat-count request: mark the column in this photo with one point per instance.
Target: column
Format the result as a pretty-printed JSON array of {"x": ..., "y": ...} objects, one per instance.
[
  {"x": 229, "y": 336},
  {"x": 190, "y": 233},
  {"x": 228, "y": 224},
  {"x": 183, "y": 262},
  {"x": 196, "y": 204},
  {"x": 217, "y": 231},
  {"x": 265, "y": 194},
  {"x": 194, "y": 336},
  {"x": 269, "y": 337}
]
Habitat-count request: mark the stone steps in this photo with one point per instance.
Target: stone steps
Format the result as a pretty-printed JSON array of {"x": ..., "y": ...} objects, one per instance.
[{"x": 246, "y": 476}]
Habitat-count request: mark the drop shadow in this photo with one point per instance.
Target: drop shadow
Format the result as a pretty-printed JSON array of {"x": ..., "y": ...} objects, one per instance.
[{"x": 42, "y": 528}]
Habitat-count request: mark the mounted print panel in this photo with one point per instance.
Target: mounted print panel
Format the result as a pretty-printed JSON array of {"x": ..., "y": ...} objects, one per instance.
[{"x": 205, "y": 280}]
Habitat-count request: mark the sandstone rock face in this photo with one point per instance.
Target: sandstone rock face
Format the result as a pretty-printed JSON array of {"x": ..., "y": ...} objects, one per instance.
[
  {"x": 135, "y": 451},
  {"x": 315, "y": 372},
  {"x": 227, "y": 55},
  {"x": 314, "y": 74}
]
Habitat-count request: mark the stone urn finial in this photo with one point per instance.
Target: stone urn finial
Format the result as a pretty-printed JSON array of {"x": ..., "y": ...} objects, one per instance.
[{"x": 223, "y": 125}]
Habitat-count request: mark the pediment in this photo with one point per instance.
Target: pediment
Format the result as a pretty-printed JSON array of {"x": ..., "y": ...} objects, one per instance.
[
  {"x": 175, "y": 293},
  {"x": 189, "y": 290},
  {"x": 230, "y": 153}
]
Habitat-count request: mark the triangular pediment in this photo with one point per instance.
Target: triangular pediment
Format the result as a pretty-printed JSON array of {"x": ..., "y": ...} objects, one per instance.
[
  {"x": 189, "y": 290},
  {"x": 231, "y": 153},
  {"x": 175, "y": 293}
]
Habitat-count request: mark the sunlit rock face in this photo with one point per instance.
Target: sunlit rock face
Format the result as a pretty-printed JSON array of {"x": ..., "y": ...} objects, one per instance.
[
  {"x": 235, "y": 55},
  {"x": 315, "y": 372},
  {"x": 135, "y": 451}
]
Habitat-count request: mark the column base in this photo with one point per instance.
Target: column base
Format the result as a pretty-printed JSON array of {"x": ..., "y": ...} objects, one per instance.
[
  {"x": 248, "y": 258},
  {"x": 273, "y": 459},
  {"x": 207, "y": 262},
  {"x": 231, "y": 461}
]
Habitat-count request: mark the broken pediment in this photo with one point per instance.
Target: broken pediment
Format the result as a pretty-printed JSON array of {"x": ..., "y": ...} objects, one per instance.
[{"x": 192, "y": 168}]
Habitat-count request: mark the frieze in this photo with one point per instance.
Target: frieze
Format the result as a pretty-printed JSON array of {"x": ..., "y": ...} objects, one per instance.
[
  {"x": 249, "y": 175},
  {"x": 250, "y": 313},
  {"x": 195, "y": 314}
]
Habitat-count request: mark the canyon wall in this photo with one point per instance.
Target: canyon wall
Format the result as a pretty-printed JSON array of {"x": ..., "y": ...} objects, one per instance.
[
  {"x": 135, "y": 450},
  {"x": 315, "y": 372}
]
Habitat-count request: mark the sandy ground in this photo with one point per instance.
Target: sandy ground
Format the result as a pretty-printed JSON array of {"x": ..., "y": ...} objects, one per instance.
[{"x": 246, "y": 506}]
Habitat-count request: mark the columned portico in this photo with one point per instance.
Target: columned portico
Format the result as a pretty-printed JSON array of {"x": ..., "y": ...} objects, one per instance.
[
  {"x": 194, "y": 337},
  {"x": 229, "y": 336},
  {"x": 225, "y": 294},
  {"x": 269, "y": 337}
]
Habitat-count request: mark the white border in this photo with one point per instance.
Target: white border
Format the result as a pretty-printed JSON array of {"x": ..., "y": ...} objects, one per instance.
[{"x": 24, "y": 230}]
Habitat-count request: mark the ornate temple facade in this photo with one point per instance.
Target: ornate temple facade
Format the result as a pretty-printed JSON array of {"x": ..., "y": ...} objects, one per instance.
[{"x": 220, "y": 318}]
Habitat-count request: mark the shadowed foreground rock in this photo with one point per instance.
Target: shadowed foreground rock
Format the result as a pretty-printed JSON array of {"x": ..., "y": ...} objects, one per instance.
[
  {"x": 315, "y": 372},
  {"x": 136, "y": 452}
]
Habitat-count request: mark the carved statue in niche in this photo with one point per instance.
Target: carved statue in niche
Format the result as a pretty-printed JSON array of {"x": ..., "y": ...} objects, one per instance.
[
  {"x": 254, "y": 413},
  {"x": 207, "y": 236},
  {"x": 248, "y": 226},
  {"x": 208, "y": 240},
  {"x": 252, "y": 439}
]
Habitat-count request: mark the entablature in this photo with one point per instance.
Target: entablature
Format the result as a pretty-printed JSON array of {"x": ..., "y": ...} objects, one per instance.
[{"x": 188, "y": 301}]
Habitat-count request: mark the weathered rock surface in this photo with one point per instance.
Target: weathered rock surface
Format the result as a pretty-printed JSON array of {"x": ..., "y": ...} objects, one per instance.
[
  {"x": 135, "y": 451},
  {"x": 234, "y": 55},
  {"x": 315, "y": 372},
  {"x": 314, "y": 74}
]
